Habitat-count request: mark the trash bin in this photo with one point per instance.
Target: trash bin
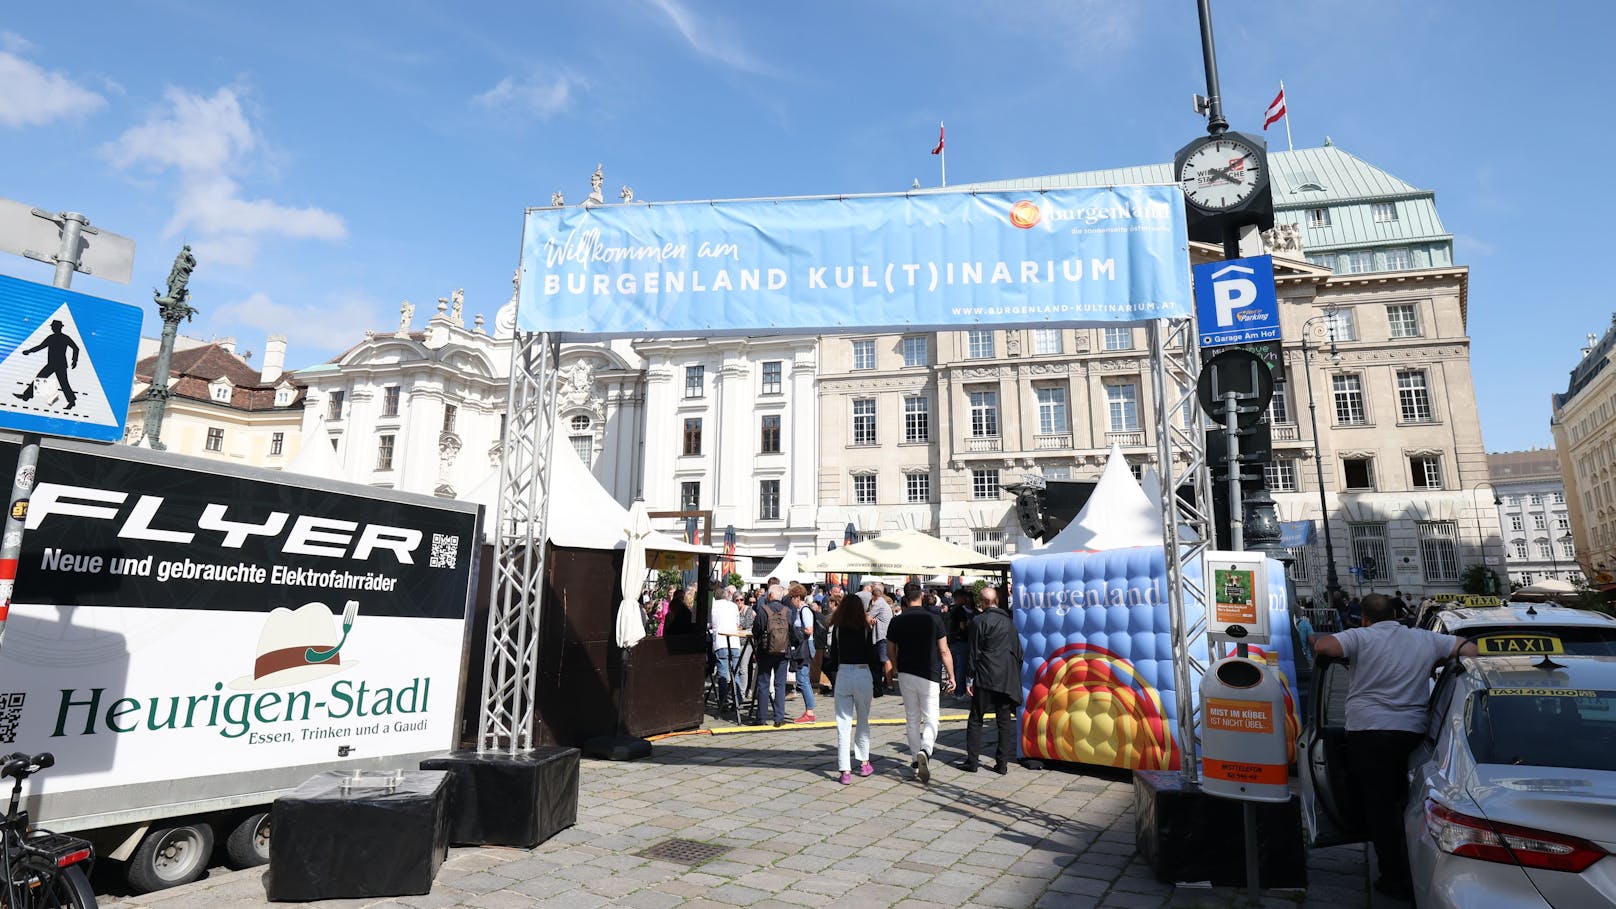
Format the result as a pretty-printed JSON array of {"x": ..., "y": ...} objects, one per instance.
[{"x": 1243, "y": 737}]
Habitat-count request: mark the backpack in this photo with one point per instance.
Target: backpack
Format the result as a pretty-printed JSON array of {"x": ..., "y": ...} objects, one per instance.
[{"x": 777, "y": 630}]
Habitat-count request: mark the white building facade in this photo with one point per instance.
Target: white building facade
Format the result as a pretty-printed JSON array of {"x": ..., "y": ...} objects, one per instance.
[{"x": 1536, "y": 522}]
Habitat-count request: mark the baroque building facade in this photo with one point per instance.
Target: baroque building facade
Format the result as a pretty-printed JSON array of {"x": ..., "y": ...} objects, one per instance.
[
  {"x": 219, "y": 406},
  {"x": 1531, "y": 501},
  {"x": 1584, "y": 425}
]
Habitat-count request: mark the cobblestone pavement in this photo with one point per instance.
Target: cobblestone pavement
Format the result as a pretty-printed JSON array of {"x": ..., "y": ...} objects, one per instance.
[{"x": 1051, "y": 839}]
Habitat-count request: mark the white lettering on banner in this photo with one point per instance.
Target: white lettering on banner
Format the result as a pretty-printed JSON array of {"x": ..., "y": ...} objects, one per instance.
[
  {"x": 138, "y": 526},
  {"x": 51, "y": 498},
  {"x": 236, "y": 532},
  {"x": 311, "y": 536},
  {"x": 585, "y": 247},
  {"x": 824, "y": 277}
]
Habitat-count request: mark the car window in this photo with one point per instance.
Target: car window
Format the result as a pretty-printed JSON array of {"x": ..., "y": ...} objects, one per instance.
[
  {"x": 1594, "y": 641},
  {"x": 1437, "y": 714},
  {"x": 1333, "y": 703},
  {"x": 1542, "y": 727}
]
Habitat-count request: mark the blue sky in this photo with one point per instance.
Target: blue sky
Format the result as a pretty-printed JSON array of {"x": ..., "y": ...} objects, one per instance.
[{"x": 329, "y": 160}]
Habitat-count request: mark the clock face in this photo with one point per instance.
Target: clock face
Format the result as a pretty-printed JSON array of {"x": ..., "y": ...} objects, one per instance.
[{"x": 1220, "y": 174}]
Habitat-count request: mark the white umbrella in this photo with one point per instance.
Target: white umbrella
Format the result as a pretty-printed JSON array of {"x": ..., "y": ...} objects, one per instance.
[{"x": 630, "y": 623}]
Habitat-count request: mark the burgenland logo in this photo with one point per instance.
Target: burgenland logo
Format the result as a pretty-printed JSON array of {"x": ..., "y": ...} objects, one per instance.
[
  {"x": 1025, "y": 214},
  {"x": 298, "y": 646}
]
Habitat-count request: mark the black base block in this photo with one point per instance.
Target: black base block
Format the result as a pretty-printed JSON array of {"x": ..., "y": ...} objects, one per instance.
[
  {"x": 617, "y": 748},
  {"x": 363, "y": 841},
  {"x": 504, "y": 800},
  {"x": 1187, "y": 835}
]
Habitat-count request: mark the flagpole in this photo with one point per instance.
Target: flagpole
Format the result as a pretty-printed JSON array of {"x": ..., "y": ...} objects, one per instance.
[
  {"x": 1288, "y": 144},
  {"x": 943, "y": 155}
]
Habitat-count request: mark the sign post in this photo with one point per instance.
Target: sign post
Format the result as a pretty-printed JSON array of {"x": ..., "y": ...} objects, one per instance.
[{"x": 40, "y": 320}]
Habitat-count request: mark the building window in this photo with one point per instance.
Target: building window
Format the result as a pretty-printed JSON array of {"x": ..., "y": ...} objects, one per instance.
[
  {"x": 985, "y": 483},
  {"x": 384, "y": 452},
  {"x": 1520, "y": 548},
  {"x": 979, "y": 344},
  {"x": 1398, "y": 259},
  {"x": 1568, "y": 549},
  {"x": 693, "y": 435},
  {"x": 1426, "y": 472},
  {"x": 390, "y": 396},
  {"x": 1360, "y": 472},
  {"x": 1543, "y": 550},
  {"x": 1369, "y": 547},
  {"x": 1537, "y": 499},
  {"x": 450, "y": 414},
  {"x": 283, "y": 395},
  {"x": 1562, "y": 523},
  {"x": 215, "y": 439},
  {"x": 864, "y": 489},
  {"x": 1358, "y": 262},
  {"x": 1299, "y": 569},
  {"x": 1051, "y": 410},
  {"x": 769, "y": 443},
  {"x": 768, "y": 500},
  {"x": 1515, "y": 522},
  {"x": 584, "y": 446},
  {"x": 1439, "y": 550},
  {"x": 277, "y": 444},
  {"x": 1279, "y": 408},
  {"x": 1557, "y": 498},
  {"x": 771, "y": 377},
  {"x": 1281, "y": 474},
  {"x": 695, "y": 381},
  {"x": 1526, "y": 578},
  {"x": 1122, "y": 407},
  {"x": 221, "y": 393},
  {"x": 864, "y": 421},
  {"x": 1538, "y": 522},
  {"x": 333, "y": 405},
  {"x": 1339, "y": 325},
  {"x": 863, "y": 354},
  {"x": 1349, "y": 400},
  {"x": 984, "y": 414},
  {"x": 1404, "y": 319},
  {"x": 917, "y": 487},
  {"x": 1318, "y": 217},
  {"x": 580, "y": 423},
  {"x": 689, "y": 495},
  {"x": 1046, "y": 341},
  {"x": 989, "y": 542},
  {"x": 1118, "y": 338},
  {"x": 1413, "y": 396},
  {"x": 914, "y": 351},
  {"x": 916, "y": 419},
  {"x": 1384, "y": 212}
]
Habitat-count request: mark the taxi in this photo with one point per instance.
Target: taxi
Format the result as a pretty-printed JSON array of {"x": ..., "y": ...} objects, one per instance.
[{"x": 1524, "y": 629}]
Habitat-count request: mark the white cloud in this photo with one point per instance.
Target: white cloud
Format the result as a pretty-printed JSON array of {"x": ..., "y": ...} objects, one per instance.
[
  {"x": 708, "y": 39},
  {"x": 210, "y": 143},
  {"x": 33, "y": 96},
  {"x": 314, "y": 331},
  {"x": 541, "y": 95}
]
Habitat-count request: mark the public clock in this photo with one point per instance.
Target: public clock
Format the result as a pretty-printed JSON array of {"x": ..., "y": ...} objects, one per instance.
[{"x": 1222, "y": 173}]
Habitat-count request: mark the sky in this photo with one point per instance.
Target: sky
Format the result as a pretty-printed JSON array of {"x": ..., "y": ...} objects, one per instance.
[{"x": 328, "y": 161}]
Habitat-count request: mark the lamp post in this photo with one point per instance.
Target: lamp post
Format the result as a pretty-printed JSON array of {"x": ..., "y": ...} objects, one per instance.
[
  {"x": 1553, "y": 557},
  {"x": 1481, "y": 541},
  {"x": 1332, "y": 581}
]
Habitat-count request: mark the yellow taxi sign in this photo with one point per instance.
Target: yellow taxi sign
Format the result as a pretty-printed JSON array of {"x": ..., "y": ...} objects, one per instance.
[
  {"x": 1468, "y": 599},
  {"x": 1519, "y": 645}
]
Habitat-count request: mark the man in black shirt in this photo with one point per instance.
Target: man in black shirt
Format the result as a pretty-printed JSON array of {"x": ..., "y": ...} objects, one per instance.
[
  {"x": 917, "y": 653},
  {"x": 995, "y": 681}
]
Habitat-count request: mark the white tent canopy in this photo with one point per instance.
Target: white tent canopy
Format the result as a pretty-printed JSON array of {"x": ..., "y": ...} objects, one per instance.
[
  {"x": 1119, "y": 514},
  {"x": 1546, "y": 589},
  {"x": 902, "y": 552},
  {"x": 316, "y": 458}
]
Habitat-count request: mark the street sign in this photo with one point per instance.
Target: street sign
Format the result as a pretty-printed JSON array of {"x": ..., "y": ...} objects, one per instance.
[
  {"x": 1235, "y": 301},
  {"x": 36, "y": 234},
  {"x": 67, "y": 361},
  {"x": 1243, "y": 373}
]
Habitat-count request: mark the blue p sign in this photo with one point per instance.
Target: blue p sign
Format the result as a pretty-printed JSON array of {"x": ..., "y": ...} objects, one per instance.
[{"x": 1235, "y": 302}]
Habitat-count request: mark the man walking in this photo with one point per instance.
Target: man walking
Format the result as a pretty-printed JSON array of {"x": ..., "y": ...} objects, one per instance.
[
  {"x": 917, "y": 641},
  {"x": 1387, "y": 697},
  {"x": 56, "y": 345},
  {"x": 877, "y": 607},
  {"x": 774, "y": 637},
  {"x": 995, "y": 682}
]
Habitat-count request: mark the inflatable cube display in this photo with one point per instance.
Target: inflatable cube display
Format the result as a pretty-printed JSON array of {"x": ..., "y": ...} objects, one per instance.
[{"x": 1098, "y": 673}]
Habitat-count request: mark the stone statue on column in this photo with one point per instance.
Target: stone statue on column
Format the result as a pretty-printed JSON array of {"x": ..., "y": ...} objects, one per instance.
[
  {"x": 173, "y": 308},
  {"x": 406, "y": 315}
]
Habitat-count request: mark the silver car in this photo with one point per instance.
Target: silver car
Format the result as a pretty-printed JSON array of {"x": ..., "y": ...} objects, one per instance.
[{"x": 1512, "y": 793}]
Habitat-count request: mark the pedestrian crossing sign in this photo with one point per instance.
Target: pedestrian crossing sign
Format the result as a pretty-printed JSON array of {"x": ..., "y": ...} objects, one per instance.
[{"x": 67, "y": 361}]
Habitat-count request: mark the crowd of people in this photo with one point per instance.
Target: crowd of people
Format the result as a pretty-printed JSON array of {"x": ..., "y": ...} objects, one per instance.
[{"x": 857, "y": 646}]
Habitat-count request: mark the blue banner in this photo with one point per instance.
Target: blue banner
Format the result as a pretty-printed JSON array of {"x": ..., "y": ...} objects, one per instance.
[
  {"x": 1295, "y": 533},
  {"x": 938, "y": 260}
]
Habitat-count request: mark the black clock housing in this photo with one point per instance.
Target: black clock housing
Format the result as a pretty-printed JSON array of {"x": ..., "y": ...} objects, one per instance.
[{"x": 1214, "y": 225}]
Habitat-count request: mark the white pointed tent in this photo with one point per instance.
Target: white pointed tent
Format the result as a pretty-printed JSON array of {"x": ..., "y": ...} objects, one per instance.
[
  {"x": 316, "y": 457},
  {"x": 1119, "y": 514}
]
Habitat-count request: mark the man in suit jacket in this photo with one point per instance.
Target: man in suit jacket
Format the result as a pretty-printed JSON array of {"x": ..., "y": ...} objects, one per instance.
[{"x": 995, "y": 681}]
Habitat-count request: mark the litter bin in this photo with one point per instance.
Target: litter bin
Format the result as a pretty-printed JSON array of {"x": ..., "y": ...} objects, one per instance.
[{"x": 1243, "y": 744}]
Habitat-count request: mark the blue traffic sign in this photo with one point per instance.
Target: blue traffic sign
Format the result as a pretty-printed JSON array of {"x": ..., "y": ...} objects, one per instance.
[
  {"x": 67, "y": 361},
  {"x": 1235, "y": 301}
]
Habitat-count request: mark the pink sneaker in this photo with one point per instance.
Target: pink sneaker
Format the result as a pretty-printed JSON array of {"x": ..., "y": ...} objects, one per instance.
[
  {"x": 846, "y": 778},
  {"x": 865, "y": 769}
]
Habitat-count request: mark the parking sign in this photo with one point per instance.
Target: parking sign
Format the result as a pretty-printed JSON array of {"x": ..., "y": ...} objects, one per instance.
[{"x": 1235, "y": 302}]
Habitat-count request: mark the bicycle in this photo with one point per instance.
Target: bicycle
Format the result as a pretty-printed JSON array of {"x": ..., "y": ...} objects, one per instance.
[{"x": 44, "y": 870}]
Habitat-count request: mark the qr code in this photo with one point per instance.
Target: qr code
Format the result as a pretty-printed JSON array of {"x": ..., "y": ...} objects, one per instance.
[
  {"x": 445, "y": 550},
  {"x": 10, "y": 716}
]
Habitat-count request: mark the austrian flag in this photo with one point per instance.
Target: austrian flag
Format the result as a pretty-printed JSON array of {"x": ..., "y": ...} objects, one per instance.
[
  {"x": 939, "y": 149},
  {"x": 1276, "y": 110}
]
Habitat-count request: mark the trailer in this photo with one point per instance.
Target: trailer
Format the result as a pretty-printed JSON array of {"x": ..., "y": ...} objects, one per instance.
[{"x": 192, "y": 638}]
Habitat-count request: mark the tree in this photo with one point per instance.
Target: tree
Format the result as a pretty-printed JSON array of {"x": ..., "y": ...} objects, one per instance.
[
  {"x": 1479, "y": 579},
  {"x": 668, "y": 579},
  {"x": 734, "y": 579}
]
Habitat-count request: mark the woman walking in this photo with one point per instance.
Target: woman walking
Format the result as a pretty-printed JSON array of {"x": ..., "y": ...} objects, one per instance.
[
  {"x": 803, "y": 660},
  {"x": 852, "y": 650}
]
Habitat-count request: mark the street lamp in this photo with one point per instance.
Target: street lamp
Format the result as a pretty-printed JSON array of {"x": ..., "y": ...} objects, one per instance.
[
  {"x": 1326, "y": 320},
  {"x": 1481, "y": 540},
  {"x": 1553, "y": 557}
]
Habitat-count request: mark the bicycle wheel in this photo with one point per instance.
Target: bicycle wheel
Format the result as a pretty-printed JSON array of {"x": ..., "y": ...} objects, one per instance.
[{"x": 37, "y": 884}]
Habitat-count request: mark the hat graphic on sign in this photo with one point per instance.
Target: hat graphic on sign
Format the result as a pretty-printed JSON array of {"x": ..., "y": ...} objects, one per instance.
[{"x": 298, "y": 646}]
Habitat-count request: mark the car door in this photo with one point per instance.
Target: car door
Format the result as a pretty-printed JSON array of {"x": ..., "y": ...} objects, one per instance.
[{"x": 1328, "y": 811}]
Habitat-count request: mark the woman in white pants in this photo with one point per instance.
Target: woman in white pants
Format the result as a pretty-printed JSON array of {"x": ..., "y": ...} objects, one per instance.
[{"x": 852, "y": 649}]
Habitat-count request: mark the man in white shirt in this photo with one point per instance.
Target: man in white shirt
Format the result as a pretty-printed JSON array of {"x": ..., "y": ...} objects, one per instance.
[
  {"x": 724, "y": 620},
  {"x": 1387, "y": 698}
]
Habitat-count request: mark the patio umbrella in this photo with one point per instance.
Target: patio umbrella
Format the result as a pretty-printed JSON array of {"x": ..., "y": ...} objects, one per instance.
[
  {"x": 630, "y": 623},
  {"x": 832, "y": 578},
  {"x": 729, "y": 550},
  {"x": 849, "y": 537}
]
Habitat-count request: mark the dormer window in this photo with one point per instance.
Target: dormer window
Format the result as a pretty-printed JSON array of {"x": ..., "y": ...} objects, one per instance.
[
  {"x": 220, "y": 391},
  {"x": 284, "y": 395}
]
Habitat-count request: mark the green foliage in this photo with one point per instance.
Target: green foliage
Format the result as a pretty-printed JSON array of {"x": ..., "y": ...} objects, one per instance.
[
  {"x": 1479, "y": 579},
  {"x": 980, "y": 584},
  {"x": 669, "y": 579},
  {"x": 734, "y": 579}
]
